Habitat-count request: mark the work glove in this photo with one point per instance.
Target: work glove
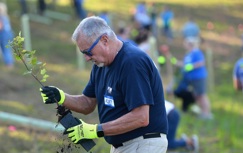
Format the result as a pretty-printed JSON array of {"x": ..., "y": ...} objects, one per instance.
[
  {"x": 188, "y": 67},
  {"x": 51, "y": 94},
  {"x": 82, "y": 131},
  {"x": 161, "y": 60},
  {"x": 173, "y": 60}
]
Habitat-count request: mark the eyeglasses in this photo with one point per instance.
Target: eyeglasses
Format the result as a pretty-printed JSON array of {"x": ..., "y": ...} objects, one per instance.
[{"x": 88, "y": 51}]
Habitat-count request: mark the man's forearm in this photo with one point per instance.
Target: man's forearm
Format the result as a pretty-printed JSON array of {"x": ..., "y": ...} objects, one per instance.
[
  {"x": 80, "y": 103},
  {"x": 133, "y": 120}
]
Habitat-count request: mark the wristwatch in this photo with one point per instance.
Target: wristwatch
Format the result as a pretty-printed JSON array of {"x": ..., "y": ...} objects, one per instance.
[{"x": 100, "y": 132}]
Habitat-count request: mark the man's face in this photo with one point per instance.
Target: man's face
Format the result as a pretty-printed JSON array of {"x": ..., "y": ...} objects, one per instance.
[{"x": 96, "y": 51}]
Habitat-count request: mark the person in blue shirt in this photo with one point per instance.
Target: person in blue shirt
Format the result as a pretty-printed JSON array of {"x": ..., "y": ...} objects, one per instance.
[
  {"x": 238, "y": 75},
  {"x": 126, "y": 87},
  {"x": 195, "y": 75},
  {"x": 142, "y": 17},
  {"x": 238, "y": 71},
  {"x": 167, "y": 16},
  {"x": 79, "y": 8},
  {"x": 6, "y": 34}
]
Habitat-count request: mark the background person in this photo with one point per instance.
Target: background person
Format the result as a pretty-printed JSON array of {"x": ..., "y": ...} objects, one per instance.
[
  {"x": 142, "y": 17},
  {"x": 173, "y": 116},
  {"x": 123, "y": 34},
  {"x": 41, "y": 7},
  {"x": 125, "y": 85},
  {"x": 195, "y": 75},
  {"x": 167, "y": 16},
  {"x": 79, "y": 9},
  {"x": 142, "y": 41},
  {"x": 238, "y": 71},
  {"x": 238, "y": 75},
  {"x": 24, "y": 8},
  {"x": 183, "y": 92},
  {"x": 6, "y": 34}
]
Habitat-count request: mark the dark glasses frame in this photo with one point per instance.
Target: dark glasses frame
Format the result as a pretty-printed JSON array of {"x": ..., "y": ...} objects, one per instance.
[{"x": 88, "y": 51}]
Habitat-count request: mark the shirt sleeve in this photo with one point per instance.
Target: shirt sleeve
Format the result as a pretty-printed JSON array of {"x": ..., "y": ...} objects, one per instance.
[{"x": 136, "y": 84}]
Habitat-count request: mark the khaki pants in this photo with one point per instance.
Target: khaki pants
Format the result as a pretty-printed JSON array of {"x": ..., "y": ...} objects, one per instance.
[{"x": 141, "y": 145}]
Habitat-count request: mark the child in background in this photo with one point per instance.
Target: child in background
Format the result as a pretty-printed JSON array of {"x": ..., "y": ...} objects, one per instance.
[
  {"x": 6, "y": 34},
  {"x": 238, "y": 73}
]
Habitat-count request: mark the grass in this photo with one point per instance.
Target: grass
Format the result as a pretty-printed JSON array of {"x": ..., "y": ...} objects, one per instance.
[{"x": 19, "y": 94}]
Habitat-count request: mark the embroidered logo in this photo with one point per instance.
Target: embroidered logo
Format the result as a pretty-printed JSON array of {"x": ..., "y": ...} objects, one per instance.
[{"x": 109, "y": 90}]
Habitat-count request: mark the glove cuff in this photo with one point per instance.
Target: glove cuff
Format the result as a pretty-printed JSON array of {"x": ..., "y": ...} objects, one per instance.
[{"x": 62, "y": 95}]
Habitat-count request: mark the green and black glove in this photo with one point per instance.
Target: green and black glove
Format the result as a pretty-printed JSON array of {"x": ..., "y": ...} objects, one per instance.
[
  {"x": 82, "y": 131},
  {"x": 161, "y": 60},
  {"x": 188, "y": 67},
  {"x": 51, "y": 94},
  {"x": 173, "y": 60}
]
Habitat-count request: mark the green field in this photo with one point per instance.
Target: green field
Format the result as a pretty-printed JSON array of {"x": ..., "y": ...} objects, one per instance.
[{"x": 20, "y": 94}]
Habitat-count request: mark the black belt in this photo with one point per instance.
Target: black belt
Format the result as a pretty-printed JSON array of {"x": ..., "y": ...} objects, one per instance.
[{"x": 146, "y": 136}]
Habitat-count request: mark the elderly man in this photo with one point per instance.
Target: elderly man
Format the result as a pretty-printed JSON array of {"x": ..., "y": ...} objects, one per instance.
[{"x": 125, "y": 85}]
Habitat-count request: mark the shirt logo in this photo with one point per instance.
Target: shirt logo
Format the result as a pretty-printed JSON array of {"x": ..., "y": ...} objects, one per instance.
[{"x": 109, "y": 90}]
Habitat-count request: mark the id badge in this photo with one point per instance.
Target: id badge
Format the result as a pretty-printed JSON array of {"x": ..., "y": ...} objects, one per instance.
[{"x": 109, "y": 101}]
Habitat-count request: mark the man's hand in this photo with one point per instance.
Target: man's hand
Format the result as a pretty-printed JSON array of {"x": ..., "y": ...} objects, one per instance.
[
  {"x": 51, "y": 94},
  {"x": 82, "y": 131}
]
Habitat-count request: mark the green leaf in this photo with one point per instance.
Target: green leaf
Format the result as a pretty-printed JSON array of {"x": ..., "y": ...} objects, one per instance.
[
  {"x": 43, "y": 72},
  {"x": 33, "y": 66},
  {"x": 45, "y": 76},
  {"x": 17, "y": 57},
  {"x": 43, "y": 80},
  {"x": 34, "y": 61},
  {"x": 27, "y": 72}
]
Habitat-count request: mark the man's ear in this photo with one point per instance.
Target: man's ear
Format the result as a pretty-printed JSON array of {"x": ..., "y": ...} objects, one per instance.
[{"x": 105, "y": 39}]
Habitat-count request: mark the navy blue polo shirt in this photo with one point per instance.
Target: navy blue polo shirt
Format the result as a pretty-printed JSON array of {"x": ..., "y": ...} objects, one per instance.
[{"x": 130, "y": 81}]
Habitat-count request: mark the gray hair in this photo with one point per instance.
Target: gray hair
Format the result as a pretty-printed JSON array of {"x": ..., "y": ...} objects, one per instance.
[{"x": 92, "y": 27}]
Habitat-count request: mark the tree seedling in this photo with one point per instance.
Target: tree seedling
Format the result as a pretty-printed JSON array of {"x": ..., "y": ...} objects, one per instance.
[
  {"x": 33, "y": 66},
  {"x": 37, "y": 70}
]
